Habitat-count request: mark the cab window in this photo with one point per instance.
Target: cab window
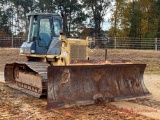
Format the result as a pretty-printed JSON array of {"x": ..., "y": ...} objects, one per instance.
[
  {"x": 44, "y": 32},
  {"x": 34, "y": 29},
  {"x": 56, "y": 27}
]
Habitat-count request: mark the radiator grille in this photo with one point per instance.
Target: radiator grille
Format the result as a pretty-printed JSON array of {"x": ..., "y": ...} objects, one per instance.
[{"x": 78, "y": 52}]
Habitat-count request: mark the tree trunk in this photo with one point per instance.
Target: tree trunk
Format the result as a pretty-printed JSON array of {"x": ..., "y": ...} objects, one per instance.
[{"x": 63, "y": 14}]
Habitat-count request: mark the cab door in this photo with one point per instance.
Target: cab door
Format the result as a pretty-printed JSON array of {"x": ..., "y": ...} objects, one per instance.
[{"x": 44, "y": 35}]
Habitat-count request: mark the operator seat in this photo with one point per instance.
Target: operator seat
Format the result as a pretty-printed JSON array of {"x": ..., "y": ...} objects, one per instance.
[{"x": 45, "y": 39}]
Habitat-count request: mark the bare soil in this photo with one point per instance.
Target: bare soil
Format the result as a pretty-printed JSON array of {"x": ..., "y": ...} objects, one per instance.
[
  {"x": 149, "y": 57},
  {"x": 8, "y": 55},
  {"x": 17, "y": 105}
]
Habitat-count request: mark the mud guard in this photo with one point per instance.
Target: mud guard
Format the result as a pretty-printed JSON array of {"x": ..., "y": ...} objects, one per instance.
[{"x": 81, "y": 85}]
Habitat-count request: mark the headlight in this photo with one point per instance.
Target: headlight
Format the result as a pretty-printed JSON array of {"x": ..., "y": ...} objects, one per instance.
[{"x": 32, "y": 51}]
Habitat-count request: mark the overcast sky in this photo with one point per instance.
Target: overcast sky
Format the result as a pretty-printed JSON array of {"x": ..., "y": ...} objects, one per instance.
[{"x": 106, "y": 24}]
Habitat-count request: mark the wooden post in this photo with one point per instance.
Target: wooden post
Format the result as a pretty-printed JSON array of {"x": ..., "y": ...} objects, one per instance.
[
  {"x": 156, "y": 44},
  {"x": 115, "y": 43},
  {"x": 12, "y": 41},
  {"x": 106, "y": 54}
]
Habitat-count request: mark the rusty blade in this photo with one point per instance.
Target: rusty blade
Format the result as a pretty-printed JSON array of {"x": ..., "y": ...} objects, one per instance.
[
  {"x": 69, "y": 85},
  {"x": 99, "y": 62}
]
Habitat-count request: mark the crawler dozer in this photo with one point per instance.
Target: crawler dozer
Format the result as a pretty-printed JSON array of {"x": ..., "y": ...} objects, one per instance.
[{"x": 59, "y": 68}]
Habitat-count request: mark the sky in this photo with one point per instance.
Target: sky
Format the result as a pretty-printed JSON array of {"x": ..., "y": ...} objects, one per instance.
[{"x": 106, "y": 24}]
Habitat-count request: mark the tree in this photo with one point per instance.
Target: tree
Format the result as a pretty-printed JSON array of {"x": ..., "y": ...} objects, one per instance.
[
  {"x": 157, "y": 8},
  {"x": 149, "y": 19},
  {"x": 96, "y": 10},
  {"x": 47, "y": 6},
  {"x": 72, "y": 14},
  {"x": 4, "y": 16},
  {"x": 134, "y": 19},
  {"x": 70, "y": 10},
  {"x": 25, "y": 6},
  {"x": 118, "y": 21}
]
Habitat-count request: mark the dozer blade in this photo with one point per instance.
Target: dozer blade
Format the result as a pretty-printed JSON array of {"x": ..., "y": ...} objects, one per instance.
[{"x": 88, "y": 84}]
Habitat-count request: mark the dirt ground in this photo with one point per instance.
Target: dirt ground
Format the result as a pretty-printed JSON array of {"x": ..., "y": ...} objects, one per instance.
[
  {"x": 16, "y": 105},
  {"x": 9, "y": 55},
  {"x": 149, "y": 57}
]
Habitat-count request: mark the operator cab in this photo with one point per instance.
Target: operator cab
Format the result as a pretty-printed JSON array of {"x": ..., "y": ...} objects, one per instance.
[{"x": 43, "y": 34}]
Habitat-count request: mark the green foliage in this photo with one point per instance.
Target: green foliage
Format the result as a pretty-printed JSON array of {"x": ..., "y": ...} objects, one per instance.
[
  {"x": 70, "y": 10},
  {"x": 96, "y": 10},
  {"x": 4, "y": 26},
  {"x": 74, "y": 13},
  {"x": 46, "y": 6},
  {"x": 138, "y": 18}
]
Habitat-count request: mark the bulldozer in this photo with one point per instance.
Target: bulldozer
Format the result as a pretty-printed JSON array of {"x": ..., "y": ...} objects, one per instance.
[{"x": 60, "y": 69}]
